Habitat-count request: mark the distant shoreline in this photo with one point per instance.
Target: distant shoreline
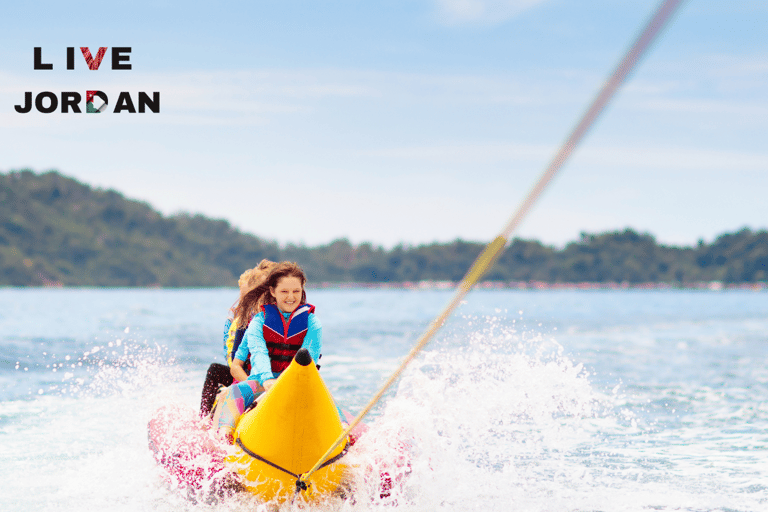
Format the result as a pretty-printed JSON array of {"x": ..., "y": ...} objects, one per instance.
[
  {"x": 539, "y": 285},
  {"x": 711, "y": 286}
]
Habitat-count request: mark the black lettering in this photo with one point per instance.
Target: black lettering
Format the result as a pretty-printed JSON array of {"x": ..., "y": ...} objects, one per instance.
[
  {"x": 70, "y": 99},
  {"x": 54, "y": 104},
  {"x": 90, "y": 106},
  {"x": 117, "y": 57},
  {"x": 27, "y": 104},
  {"x": 39, "y": 59},
  {"x": 70, "y": 57},
  {"x": 124, "y": 102},
  {"x": 153, "y": 104}
]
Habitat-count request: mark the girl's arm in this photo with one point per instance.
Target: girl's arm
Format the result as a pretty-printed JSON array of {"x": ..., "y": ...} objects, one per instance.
[
  {"x": 227, "y": 326},
  {"x": 237, "y": 369},
  {"x": 261, "y": 368},
  {"x": 313, "y": 340}
]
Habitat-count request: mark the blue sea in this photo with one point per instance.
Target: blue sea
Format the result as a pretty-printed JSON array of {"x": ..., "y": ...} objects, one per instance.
[{"x": 526, "y": 400}]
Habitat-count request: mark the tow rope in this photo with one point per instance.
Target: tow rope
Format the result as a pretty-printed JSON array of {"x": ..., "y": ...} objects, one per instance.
[
  {"x": 300, "y": 485},
  {"x": 494, "y": 249}
]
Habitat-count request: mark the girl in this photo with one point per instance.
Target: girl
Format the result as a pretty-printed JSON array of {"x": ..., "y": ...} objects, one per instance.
[
  {"x": 234, "y": 329},
  {"x": 242, "y": 312},
  {"x": 284, "y": 324}
]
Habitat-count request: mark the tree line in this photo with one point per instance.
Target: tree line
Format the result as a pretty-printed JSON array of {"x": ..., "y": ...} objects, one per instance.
[{"x": 56, "y": 230}]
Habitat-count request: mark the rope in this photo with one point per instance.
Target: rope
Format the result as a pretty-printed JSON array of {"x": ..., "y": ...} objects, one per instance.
[
  {"x": 300, "y": 485},
  {"x": 494, "y": 249},
  {"x": 262, "y": 459}
]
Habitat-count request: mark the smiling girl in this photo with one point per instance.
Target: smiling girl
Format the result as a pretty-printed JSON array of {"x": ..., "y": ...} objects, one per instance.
[{"x": 285, "y": 323}]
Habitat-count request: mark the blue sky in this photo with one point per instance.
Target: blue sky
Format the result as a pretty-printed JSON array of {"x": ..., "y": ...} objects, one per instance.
[{"x": 405, "y": 121}]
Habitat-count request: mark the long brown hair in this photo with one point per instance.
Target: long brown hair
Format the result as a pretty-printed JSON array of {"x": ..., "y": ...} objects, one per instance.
[
  {"x": 249, "y": 280},
  {"x": 254, "y": 299}
]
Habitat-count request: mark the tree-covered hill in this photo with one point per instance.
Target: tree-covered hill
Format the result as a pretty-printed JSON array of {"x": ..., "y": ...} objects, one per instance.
[{"x": 56, "y": 230}]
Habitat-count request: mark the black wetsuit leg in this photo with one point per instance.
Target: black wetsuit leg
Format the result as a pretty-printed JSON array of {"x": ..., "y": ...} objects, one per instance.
[{"x": 218, "y": 374}]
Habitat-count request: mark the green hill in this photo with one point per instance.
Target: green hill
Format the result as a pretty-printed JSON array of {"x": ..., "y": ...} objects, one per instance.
[{"x": 56, "y": 230}]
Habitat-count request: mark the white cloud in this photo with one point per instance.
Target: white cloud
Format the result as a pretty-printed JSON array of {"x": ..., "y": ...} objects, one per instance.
[
  {"x": 676, "y": 160},
  {"x": 479, "y": 153},
  {"x": 649, "y": 157},
  {"x": 456, "y": 12}
]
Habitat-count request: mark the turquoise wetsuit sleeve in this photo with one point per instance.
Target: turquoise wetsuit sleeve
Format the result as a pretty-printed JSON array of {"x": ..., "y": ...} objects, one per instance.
[
  {"x": 313, "y": 341},
  {"x": 227, "y": 325},
  {"x": 261, "y": 368}
]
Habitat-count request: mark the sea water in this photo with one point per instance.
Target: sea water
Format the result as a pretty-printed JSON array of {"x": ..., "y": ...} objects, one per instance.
[{"x": 525, "y": 400}]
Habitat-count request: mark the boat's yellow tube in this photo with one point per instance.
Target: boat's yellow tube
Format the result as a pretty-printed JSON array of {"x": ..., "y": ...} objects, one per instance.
[{"x": 295, "y": 422}]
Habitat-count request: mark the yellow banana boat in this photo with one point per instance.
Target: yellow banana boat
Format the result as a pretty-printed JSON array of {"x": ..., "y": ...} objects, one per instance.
[
  {"x": 274, "y": 443},
  {"x": 294, "y": 424}
]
